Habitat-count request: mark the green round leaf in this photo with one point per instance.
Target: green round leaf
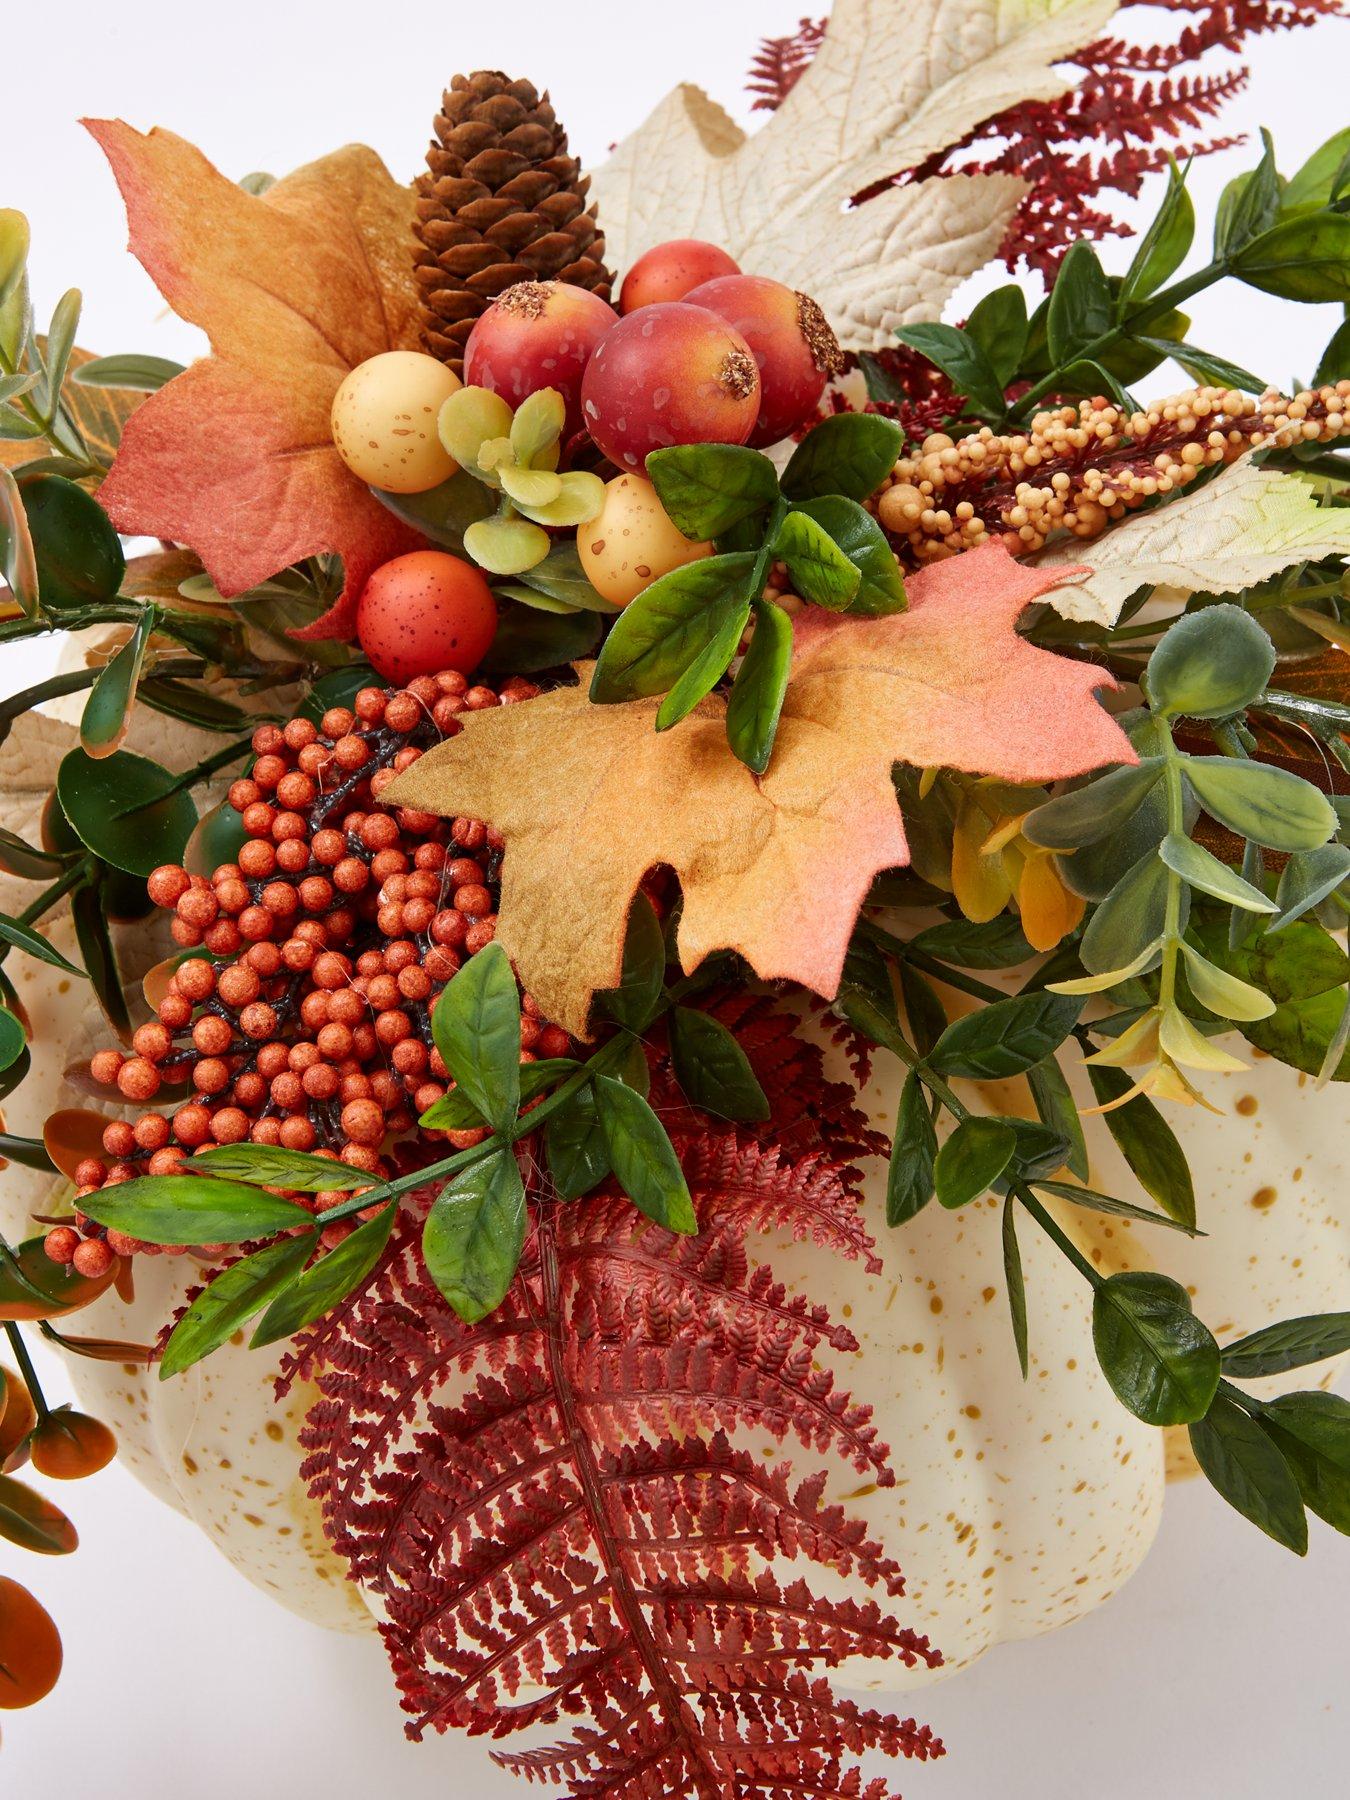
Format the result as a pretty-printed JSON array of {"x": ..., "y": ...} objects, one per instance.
[
  {"x": 1209, "y": 664},
  {"x": 1162, "y": 1362},
  {"x": 972, "y": 1159},
  {"x": 123, "y": 812},
  {"x": 1269, "y": 805},
  {"x": 79, "y": 555},
  {"x": 12, "y": 1040}
]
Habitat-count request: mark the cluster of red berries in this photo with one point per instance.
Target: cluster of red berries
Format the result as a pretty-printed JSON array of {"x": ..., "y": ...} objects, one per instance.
[{"x": 307, "y": 1022}]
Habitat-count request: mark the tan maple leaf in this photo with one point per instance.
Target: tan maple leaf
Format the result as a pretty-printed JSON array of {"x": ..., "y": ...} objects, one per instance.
[
  {"x": 589, "y": 798},
  {"x": 234, "y": 458},
  {"x": 894, "y": 82}
]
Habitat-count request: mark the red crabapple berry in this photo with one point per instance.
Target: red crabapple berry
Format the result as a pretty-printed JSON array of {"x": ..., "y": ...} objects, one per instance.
[
  {"x": 669, "y": 271},
  {"x": 538, "y": 334},
  {"x": 790, "y": 340},
  {"x": 673, "y": 374},
  {"x": 418, "y": 614}
]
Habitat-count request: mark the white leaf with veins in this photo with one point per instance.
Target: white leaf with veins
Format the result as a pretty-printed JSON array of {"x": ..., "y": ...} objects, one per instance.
[
  {"x": 894, "y": 82},
  {"x": 1242, "y": 527}
]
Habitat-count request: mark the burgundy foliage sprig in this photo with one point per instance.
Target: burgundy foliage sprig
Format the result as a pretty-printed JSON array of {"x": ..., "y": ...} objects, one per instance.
[{"x": 567, "y": 1510}]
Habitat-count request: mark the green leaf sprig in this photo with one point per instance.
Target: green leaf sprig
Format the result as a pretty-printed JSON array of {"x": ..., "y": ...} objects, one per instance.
[{"x": 679, "y": 637}]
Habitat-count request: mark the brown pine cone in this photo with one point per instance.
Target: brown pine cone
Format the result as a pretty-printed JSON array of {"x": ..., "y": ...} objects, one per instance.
[{"x": 502, "y": 202}]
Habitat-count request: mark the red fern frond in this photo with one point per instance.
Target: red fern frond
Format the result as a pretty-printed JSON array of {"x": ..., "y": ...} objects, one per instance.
[
  {"x": 568, "y": 1510},
  {"x": 779, "y": 63},
  {"x": 1121, "y": 96}
]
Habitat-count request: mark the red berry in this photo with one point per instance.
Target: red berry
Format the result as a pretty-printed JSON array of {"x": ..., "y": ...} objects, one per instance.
[
  {"x": 92, "y": 1258},
  {"x": 790, "y": 340},
  {"x": 538, "y": 334},
  {"x": 673, "y": 374},
  {"x": 61, "y": 1243},
  {"x": 427, "y": 610},
  {"x": 671, "y": 270}
]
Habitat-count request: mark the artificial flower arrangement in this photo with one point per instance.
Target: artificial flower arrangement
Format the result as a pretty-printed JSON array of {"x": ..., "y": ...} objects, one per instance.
[{"x": 694, "y": 816}]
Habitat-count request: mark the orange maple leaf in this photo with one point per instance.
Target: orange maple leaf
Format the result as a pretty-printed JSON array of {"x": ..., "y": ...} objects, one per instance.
[
  {"x": 235, "y": 458},
  {"x": 589, "y": 798}
]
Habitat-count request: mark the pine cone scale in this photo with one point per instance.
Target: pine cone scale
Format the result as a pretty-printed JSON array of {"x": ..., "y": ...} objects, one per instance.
[{"x": 502, "y": 202}]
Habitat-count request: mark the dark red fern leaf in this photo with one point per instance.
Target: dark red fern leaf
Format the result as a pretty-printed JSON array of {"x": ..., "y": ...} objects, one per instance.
[
  {"x": 1121, "y": 99},
  {"x": 567, "y": 1509}
]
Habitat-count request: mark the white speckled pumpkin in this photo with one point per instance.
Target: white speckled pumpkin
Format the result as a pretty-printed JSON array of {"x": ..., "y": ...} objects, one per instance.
[{"x": 1017, "y": 1506}]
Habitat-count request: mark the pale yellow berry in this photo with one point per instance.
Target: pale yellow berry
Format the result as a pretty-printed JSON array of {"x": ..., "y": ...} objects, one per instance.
[
  {"x": 631, "y": 541},
  {"x": 384, "y": 421}
]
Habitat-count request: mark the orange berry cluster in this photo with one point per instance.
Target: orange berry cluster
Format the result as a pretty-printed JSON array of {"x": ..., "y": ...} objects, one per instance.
[
  {"x": 307, "y": 1023},
  {"x": 1078, "y": 469}
]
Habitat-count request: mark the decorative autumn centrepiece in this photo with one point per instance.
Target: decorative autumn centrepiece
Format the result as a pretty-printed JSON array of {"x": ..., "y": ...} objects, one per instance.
[{"x": 689, "y": 769}]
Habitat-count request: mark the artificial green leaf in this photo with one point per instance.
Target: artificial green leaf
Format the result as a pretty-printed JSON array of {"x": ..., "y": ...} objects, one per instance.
[
  {"x": 1209, "y": 664},
  {"x": 1148, "y": 1144},
  {"x": 708, "y": 488},
  {"x": 1041, "y": 1150},
  {"x": 443, "y": 514},
  {"x": 1241, "y": 1462},
  {"x": 961, "y": 359},
  {"x": 705, "y": 671},
  {"x": 972, "y": 1159},
  {"x": 1056, "y": 1109},
  {"x": 881, "y": 587},
  {"x": 142, "y": 374},
  {"x": 578, "y": 1156},
  {"x": 1306, "y": 257},
  {"x": 642, "y": 1156},
  {"x": 1249, "y": 205},
  {"x": 1095, "y": 1201},
  {"x": 60, "y": 342},
  {"x": 1259, "y": 801},
  {"x": 78, "y": 554},
  {"x": 998, "y": 324},
  {"x": 635, "y": 1001},
  {"x": 506, "y": 546},
  {"x": 1312, "y": 1433},
  {"x": 560, "y": 577},
  {"x": 1096, "y": 869},
  {"x": 126, "y": 809},
  {"x": 1096, "y": 810},
  {"x": 1164, "y": 246},
  {"x": 537, "y": 426},
  {"x": 1130, "y": 919},
  {"x": 18, "y": 562},
  {"x": 242, "y": 1290},
  {"x": 1298, "y": 963},
  {"x": 1081, "y": 304},
  {"x": 1223, "y": 993},
  {"x": 1015, "y": 1283},
  {"x": 319, "y": 1288},
  {"x": 30, "y": 1153},
  {"x": 848, "y": 453},
  {"x": 1007, "y": 1036},
  {"x": 272, "y": 1165},
  {"x": 527, "y": 640},
  {"x": 1208, "y": 370},
  {"x": 474, "y": 1235},
  {"x": 760, "y": 686},
  {"x": 32, "y": 943},
  {"x": 660, "y": 633},
  {"x": 1306, "y": 880},
  {"x": 1315, "y": 184},
  {"x": 90, "y": 919},
  {"x": 579, "y": 498},
  {"x": 926, "y": 1014},
  {"x": 1161, "y": 1361},
  {"x": 107, "y": 711},
  {"x": 192, "y": 1209},
  {"x": 30, "y": 1520},
  {"x": 1334, "y": 363},
  {"x": 910, "y": 1181},
  {"x": 819, "y": 569},
  {"x": 19, "y": 858},
  {"x": 1202, "y": 870},
  {"x": 1289, "y": 1344},
  {"x": 996, "y": 943},
  {"x": 476, "y": 1026},
  {"x": 712, "y": 1069}
]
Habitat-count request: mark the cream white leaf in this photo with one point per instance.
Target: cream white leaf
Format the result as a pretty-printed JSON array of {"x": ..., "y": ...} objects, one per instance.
[
  {"x": 1243, "y": 526},
  {"x": 893, "y": 83}
]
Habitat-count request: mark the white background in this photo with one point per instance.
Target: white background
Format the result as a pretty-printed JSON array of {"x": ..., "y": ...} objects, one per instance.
[{"x": 1220, "y": 1670}]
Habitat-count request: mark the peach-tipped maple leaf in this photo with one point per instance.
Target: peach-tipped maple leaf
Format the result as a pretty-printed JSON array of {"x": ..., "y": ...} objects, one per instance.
[
  {"x": 589, "y": 798},
  {"x": 234, "y": 458}
]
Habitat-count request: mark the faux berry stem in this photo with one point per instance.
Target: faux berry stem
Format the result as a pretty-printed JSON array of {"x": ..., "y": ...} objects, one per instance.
[{"x": 27, "y": 1370}]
